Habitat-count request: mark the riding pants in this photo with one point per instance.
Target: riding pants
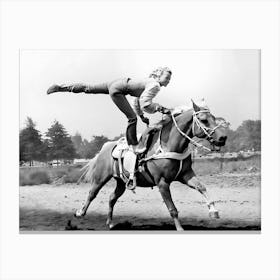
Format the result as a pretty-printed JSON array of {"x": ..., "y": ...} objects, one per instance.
[{"x": 117, "y": 90}]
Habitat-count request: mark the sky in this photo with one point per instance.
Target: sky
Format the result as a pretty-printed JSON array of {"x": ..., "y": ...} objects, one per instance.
[{"x": 228, "y": 80}]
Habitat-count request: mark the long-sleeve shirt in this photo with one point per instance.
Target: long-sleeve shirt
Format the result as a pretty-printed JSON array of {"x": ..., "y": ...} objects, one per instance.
[
  {"x": 143, "y": 91},
  {"x": 144, "y": 103}
]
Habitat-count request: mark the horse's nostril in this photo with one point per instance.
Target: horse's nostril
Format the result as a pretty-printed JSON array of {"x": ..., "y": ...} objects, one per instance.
[{"x": 222, "y": 139}]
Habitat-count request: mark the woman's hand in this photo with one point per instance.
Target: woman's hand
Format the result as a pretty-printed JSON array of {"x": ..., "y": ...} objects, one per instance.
[
  {"x": 164, "y": 110},
  {"x": 145, "y": 120}
]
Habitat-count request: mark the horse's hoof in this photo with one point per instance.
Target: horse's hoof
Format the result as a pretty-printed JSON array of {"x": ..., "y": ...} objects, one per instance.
[
  {"x": 180, "y": 229},
  {"x": 79, "y": 213},
  {"x": 214, "y": 214},
  {"x": 110, "y": 225}
]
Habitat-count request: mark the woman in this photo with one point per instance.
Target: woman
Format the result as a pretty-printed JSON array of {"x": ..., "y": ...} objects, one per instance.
[{"x": 143, "y": 90}]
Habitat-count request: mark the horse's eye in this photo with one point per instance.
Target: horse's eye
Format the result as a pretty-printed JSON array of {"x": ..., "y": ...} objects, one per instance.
[{"x": 204, "y": 121}]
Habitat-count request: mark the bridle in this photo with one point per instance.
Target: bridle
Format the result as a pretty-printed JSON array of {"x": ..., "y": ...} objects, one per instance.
[
  {"x": 206, "y": 130},
  {"x": 160, "y": 153}
]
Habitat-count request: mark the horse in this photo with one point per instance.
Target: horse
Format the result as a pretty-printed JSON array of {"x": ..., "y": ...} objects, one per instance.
[{"x": 168, "y": 159}]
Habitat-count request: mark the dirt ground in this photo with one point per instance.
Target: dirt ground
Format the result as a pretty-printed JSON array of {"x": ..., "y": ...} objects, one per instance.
[{"x": 237, "y": 197}]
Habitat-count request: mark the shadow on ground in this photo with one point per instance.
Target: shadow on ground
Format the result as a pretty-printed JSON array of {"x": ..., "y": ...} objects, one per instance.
[
  {"x": 47, "y": 220},
  {"x": 166, "y": 226}
]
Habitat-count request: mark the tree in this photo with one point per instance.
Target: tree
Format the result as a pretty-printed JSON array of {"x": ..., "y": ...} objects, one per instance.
[
  {"x": 118, "y": 137},
  {"x": 90, "y": 149},
  {"x": 46, "y": 149},
  {"x": 246, "y": 137},
  {"x": 31, "y": 144},
  {"x": 87, "y": 153},
  {"x": 60, "y": 144},
  {"x": 250, "y": 135},
  {"x": 97, "y": 143},
  {"x": 78, "y": 144}
]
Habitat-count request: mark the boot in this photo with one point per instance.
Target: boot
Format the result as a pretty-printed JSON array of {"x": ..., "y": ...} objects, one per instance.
[
  {"x": 58, "y": 88},
  {"x": 131, "y": 183}
]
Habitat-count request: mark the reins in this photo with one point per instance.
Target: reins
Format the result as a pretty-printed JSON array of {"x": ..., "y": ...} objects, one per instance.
[{"x": 161, "y": 154}]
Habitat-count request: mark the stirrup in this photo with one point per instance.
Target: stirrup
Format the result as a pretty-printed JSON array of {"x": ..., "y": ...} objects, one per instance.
[{"x": 130, "y": 185}]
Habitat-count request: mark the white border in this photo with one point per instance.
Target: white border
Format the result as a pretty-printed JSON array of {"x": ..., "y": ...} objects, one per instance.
[{"x": 141, "y": 25}]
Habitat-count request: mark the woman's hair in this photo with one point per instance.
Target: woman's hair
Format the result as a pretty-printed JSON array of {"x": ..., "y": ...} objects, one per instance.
[{"x": 158, "y": 72}]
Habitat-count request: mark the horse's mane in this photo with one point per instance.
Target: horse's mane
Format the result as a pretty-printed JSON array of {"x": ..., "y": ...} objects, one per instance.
[
  {"x": 167, "y": 118},
  {"x": 179, "y": 110},
  {"x": 164, "y": 121}
]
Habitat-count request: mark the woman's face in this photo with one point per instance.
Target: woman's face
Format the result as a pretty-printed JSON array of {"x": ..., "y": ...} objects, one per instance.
[{"x": 164, "y": 79}]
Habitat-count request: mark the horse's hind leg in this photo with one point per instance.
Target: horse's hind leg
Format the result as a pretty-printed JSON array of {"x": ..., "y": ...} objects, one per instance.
[
  {"x": 96, "y": 187},
  {"x": 100, "y": 172},
  {"x": 193, "y": 182},
  {"x": 101, "y": 176},
  {"x": 118, "y": 192}
]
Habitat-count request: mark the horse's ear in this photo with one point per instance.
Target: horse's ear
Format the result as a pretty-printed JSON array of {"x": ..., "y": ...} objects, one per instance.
[{"x": 195, "y": 107}]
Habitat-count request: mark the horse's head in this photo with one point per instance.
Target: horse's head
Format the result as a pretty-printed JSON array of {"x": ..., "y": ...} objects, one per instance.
[{"x": 206, "y": 126}]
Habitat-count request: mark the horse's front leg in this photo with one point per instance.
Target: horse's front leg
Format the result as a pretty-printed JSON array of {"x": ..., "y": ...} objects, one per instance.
[
  {"x": 192, "y": 181},
  {"x": 164, "y": 189},
  {"x": 118, "y": 192}
]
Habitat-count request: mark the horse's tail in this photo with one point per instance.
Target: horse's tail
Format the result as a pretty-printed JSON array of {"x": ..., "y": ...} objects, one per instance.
[{"x": 88, "y": 171}]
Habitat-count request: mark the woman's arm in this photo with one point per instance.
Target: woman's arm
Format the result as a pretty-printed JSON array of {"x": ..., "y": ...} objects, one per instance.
[
  {"x": 137, "y": 108},
  {"x": 146, "y": 98}
]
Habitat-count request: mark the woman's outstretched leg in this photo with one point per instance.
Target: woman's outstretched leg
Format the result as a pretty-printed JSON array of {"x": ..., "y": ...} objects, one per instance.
[{"x": 79, "y": 87}]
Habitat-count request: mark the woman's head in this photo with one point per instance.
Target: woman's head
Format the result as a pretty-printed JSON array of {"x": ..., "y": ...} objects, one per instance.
[{"x": 162, "y": 75}]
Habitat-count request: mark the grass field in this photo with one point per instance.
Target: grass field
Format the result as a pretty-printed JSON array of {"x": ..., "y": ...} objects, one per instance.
[
  {"x": 71, "y": 173},
  {"x": 217, "y": 165},
  {"x": 49, "y": 175}
]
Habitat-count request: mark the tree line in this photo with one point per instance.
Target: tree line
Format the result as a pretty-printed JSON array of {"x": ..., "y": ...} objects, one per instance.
[
  {"x": 246, "y": 137},
  {"x": 57, "y": 144}
]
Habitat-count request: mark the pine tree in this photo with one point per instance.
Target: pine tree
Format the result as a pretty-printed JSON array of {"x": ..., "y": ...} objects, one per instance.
[
  {"x": 31, "y": 145},
  {"x": 78, "y": 144},
  {"x": 60, "y": 144}
]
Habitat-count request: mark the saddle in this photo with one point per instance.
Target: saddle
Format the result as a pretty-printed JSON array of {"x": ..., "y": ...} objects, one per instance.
[{"x": 121, "y": 153}]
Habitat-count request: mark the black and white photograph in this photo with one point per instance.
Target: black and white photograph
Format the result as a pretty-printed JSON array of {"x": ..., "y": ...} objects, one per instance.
[{"x": 140, "y": 140}]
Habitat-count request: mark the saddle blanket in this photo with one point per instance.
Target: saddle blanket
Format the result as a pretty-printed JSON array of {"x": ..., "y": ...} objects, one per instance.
[
  {"x": 124, "y": 159},
  {"x": 119, "y": 149}
]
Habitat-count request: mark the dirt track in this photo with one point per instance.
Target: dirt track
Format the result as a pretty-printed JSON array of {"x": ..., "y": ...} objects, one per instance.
[{"x": 237, "y": 196}]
